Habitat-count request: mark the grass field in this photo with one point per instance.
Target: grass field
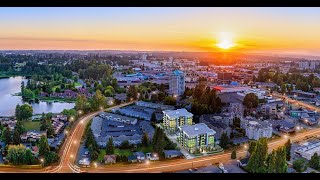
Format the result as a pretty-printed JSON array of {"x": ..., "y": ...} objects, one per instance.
[{"x": 31, "y": 125}]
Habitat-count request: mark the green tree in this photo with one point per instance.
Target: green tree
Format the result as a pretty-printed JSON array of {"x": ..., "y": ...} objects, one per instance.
[
  {"x": 19, "y": 127},
  {"x": 257, "y": 161},
  {"x": 281, "y": 162},
  {"x": 315, "y": 161},
  {"x": 252, "y": 146},
  {"x": 44, "y": 148},
  {"x": 6, "y": 135},
  {"x": 288, "y": 149},
  {"x": 132, "y": 93},
  {"x": 299, "y": 165},
  {"x": 158, "y": 141},
  {"x": 161, "y": 96},
  {"x": 154, "y": 98},
  {"x": 251, "y": 101},
  {"x": 271, "y": 162},
  {"x": 16, "y": 137},
  {"x": 169, "y": 100},
  {"x": 16, "y": 154},
  {"x": 28, "y": 157},
  {"x": 145, "y": 140},
  {"x": 81, "y": 102},
  {"x": 23, "y": 112},
  {"x": 99, "y": 100},
  {"x": 110, "y": 147},
  {"x": 233, "y": 154},
  {"x": 51, "y": 157},
  {"x": 153, "y": 118},
  {"x": 224, "y": 140}
]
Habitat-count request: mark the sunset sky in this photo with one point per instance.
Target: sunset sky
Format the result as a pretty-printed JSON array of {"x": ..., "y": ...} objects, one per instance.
[{"x": 177, "y": 29}]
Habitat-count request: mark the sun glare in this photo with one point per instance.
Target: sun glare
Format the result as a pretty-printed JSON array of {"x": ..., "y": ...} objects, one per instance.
[{"x": 225, "y": 40}]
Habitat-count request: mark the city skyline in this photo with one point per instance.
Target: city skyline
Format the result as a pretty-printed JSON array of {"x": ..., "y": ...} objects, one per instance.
[{"x": 285, "y": 30}]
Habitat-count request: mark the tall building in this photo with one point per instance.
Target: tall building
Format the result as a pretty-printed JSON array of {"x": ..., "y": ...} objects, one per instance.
[
  {"x": 177, "y": 83},
  {"x": 312, "y": 65},
  {"x": 144, "y": 57},
  {"x": 224, "y": 77},
  {"x": 198, "y": 137},
  {"x": 172, "y": 119},
  {"x": 303, "y": 65}
]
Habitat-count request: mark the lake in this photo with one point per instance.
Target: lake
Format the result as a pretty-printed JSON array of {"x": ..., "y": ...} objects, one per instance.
[{"x": 8, "y": 102}]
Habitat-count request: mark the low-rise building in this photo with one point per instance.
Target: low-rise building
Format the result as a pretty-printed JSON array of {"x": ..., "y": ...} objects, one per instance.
[
  {"x": 173, "y": 119},
  {"x": 256, "y": 129},
  {"x": 118, "y": 118},
  {"x": 308, "y": 149},
  {"x": 169, "y": 154},
  {"x": 269, "y": 109},
  {"x": 198, "y": 137},
  {"x": 216, "y": 123}
]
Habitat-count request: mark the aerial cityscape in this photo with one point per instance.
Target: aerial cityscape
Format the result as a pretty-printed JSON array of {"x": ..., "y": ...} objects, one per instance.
[{"x": 159, "y": 90}]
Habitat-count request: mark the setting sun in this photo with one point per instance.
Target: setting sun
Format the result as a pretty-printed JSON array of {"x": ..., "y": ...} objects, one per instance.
[
  {"x": 225, "y": 40},
  {"x": 225, "y": 44}
]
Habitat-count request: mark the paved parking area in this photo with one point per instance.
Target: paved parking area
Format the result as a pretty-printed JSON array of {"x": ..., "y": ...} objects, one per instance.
[{"x": 231, "y": 167}]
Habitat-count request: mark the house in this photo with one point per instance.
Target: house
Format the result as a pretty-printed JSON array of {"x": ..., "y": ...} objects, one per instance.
[
  {"x": 110, "y": 159},
  {"x": 172, "y": 154},
  {"x": 84, "y": 162},
  {"x": 132, "y": 159},
  {"x": 152, "y": 157},
  {"x": 140, "y": 156}
]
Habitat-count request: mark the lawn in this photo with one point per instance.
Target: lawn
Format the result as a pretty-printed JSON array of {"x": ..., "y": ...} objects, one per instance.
[
  {"x": 126, "y": 152},
  {"x": 31, "y": 125},
  {"x": 77, "y": 84}
]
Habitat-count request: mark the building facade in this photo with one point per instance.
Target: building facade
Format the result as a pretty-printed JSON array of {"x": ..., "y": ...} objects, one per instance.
[
  {"x": 172, "y": 119},
  {"x": 177, "y": 83},
  {"x": 198, "y": 137},
  {"x": 256, "y": 129}
]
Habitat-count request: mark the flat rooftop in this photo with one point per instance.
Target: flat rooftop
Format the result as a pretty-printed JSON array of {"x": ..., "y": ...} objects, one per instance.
[
  {"x": 177, "y": 113},
  {"x": 197, "y": 129}
]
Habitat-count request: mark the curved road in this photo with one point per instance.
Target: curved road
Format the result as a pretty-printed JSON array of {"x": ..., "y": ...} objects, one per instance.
[{"x": 69, "y": 150}]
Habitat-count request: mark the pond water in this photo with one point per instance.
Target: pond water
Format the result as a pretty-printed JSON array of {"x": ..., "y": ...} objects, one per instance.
[{"x": 8, "y": 102}]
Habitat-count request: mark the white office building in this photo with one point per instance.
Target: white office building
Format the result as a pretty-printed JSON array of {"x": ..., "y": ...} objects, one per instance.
[{"x": 177, "y": 83}]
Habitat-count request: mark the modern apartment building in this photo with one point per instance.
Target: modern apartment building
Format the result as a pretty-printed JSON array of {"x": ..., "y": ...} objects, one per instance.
[
  {"x": 177, "y": 83},
  {"x": 172, "y": 119},
  {"x": 198, "y": 137}
]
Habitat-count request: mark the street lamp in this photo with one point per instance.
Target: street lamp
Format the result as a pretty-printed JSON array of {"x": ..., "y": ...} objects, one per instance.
[
  {"x": 95, "y": 164},
  {"x": 74, "y": 142},
  {"x": 71, "y": 118},
  {"x": 147, "y": 162},
  {"x": 42, "y": 162},
  {"x": 71, "y": 156},
  {"x": 66, "y": 131},
  {"x": 101, "y": 108}
]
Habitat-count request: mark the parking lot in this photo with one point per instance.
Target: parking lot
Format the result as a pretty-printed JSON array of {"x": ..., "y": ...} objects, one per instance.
[{"x": 231, "y": 167}]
